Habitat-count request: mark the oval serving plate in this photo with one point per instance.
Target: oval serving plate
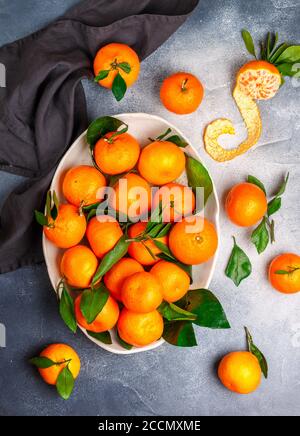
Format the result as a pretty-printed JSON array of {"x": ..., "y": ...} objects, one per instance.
[{"x": 141, "y": 126}]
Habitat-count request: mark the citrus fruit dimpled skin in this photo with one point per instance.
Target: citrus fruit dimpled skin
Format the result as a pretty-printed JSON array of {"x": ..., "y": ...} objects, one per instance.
[
  {"x": 141, "y": 292},
  {"x": 259, "y": 79},
  {"x": 246, "y": 204},
  {"x": 112, "y": 52},
  {"x": 161, "y": 162},
  {"x": 138, "y": 251},
  {"x": 174, "y": 281},
  {"x": 78, "y": 265},
  {"x": 105, "y": 320},
  {"x": 196, "y": 244},
  {"x": 81, "y": 185},
  {"x": 140, "y": 329},
  {"x": 288, "y": 283},
  {"x": 59, "y": 353},
  {"x": 103, "y": 236},
  {"x": 115, "y": 277},
  {"x": 68, "y": 228},
  {"x": 240, "y": 372},
  {"x": 118, "y": 156},
  {"x": 181, "y": 93}
]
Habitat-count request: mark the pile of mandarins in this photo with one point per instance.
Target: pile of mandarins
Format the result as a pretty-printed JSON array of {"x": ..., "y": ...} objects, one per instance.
[{"x": 140, "y": 281}]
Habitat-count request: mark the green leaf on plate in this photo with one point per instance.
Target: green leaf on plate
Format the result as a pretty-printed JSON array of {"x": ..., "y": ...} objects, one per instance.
[
  {"x": 102, "y": 336},
  {"x": 208, "y": 309},
  {"x": 112, "y": 257},
  {"x": 179, "y": 333},
  {"x": 92, "y": 302},
  {"x": 171, "y": 312},
  {"x": 255, "y": 181},
  {"x": 42, "y": 362},
  {"x": 99, "y": 127},
  {"x": 119, "y": 87},
  {"x": 239, "y": 266},
  {"x": 66, "y": 310},
  {"x": 198, "y": 177},
  {"x": 101, "y": 75},
  {"x": 257, "y": 353},
  {"x": 248, "y": 42},
  {"x": 65, "y": 383},
  {"x": 260, "y": 236}
]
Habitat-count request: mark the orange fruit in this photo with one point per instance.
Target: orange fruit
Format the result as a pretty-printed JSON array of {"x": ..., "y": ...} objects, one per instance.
[
  {"x": 284, "y": 273},
  {"x": 59, "y": 353},
  {"x": 78, "y": 265},
  {"x": 140, "y": 329},
  {"x": 161, "y": 162},
  {"x": 81, "y": 185},
  {"x": 110, "y": 56},
  {"x": 115, "y": 277},
  {"x": 174, "y": 281},
  {"x": 103, "y": 235},
  {"x": 104, "y": 321},
  {"x": 68, "y": 229},
  {"x": 181, "y": 93},
  {"x": 138, "y": 251},
  {"x": 193, "y": 242},
  {"x": 259, "y": 79},
  {"x": 177, "y": 201},
  {"x": 132, "y": 196},
  {"x": 116, "y": 154},
  {"x": 246, "y": 204},
  {"x": 141, "y": 292},
  {"x": 240, "y": 372}
]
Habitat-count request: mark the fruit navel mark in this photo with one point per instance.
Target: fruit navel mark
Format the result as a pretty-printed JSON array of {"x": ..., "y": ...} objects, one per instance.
[{"x": 251, "y": 115}]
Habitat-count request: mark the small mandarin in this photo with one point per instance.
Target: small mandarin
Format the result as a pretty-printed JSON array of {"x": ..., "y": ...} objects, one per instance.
[
  {"x": 78, "y": 265},
  {"x": 104, "y": 321},
  {"x": 103, "y": 233},
  {"x": 115, "y": 277},
  {"x": 174, "y": 281},
  {"x": 284, "y": 273}
]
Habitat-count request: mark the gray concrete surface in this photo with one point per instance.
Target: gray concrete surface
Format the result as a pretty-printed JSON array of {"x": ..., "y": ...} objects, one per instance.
[{"x": 170, "y": 380}]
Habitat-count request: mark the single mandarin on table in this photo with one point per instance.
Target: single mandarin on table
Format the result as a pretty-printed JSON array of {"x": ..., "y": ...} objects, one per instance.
[
  {"x": 115, "y": 277},
  {"x": 193, "y": 242},
  {"x": 284, "y": 273},
  {"x": 181, "y": 93},
  {"x": 103, "y": 232},
  {"x": 138, "y": 250},
  {"x": 116, "y": 154},
  {"x": 175, "y": 282},
  {"x": 78, "y": 265},
  {"x": 104, "y": 321},
  {"x": 140, "y": 329}
]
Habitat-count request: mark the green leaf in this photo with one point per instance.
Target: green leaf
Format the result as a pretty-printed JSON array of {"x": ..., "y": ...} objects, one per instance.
[
  {"x": 93, "y": 301},
  {"x": 168, "y": 256},
  {"x": 91, "y": 214},
  {"x": 102, "y": 337},
  {"x": 255, "y": 181},
  {"x": 277, "y": 52},
  {"x": 198, "y": 176},
  {"x": 239, "y": 266},
  {"x": 289, "y": 70},
  {"x": 119, "y": 87},
  {"x": 273, "y": 45},
  {"x": 282, "y": 188},
  {"x": 176, "y": 139},
  {"x": 208, "y": 309},
  {"x": 67, "y": 311},
  {"x": 48, "y": 203},
  {"x": 65, "y": 383},
  {"x": 269, "y": 48},
  {"x": 112, "y": 257},
  {"x": 42, "y": 362},
  {"x": 155, "y": 218},
  {"x": 284, "y": 272},
  {"x": 54, "y": 212},
  {"x": 290, "y": 55},
  {"x": 179, "y": 333},
  {"x": 123, "y": 343},
  {"x": 99, "y": 127},
  {"x": 248, "y": 42},
  {"x": 101, "y": 75},
  {"x": 171, "y": 312},
  {"x": 90, "y": 207},
  {"x": 257, "y": 353},
  {"x": 125, "y": 67},
  {"x": 164, "y": 231},
  {"x": 163, "y": 135},
  {"x": 274, "y": 205},
  {"x": 260, "y": 236},
  {"x": 41, "y": 218},
  {"x": 155, "y": 230}
]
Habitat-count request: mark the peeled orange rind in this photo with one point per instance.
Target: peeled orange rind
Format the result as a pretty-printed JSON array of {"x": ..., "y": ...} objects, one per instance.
[{"x": 251, "y": 115}]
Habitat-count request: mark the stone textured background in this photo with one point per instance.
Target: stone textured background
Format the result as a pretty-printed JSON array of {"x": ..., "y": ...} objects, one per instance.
[{"x": 170, "y": 380}]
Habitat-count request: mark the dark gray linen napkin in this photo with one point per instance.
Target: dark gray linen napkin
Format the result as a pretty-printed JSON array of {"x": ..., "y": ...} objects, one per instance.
[{"x": 43, "y": 108}]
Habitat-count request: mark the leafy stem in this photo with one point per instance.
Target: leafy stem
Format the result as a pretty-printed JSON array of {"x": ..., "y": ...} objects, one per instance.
[{"x": 290, "y": 270}]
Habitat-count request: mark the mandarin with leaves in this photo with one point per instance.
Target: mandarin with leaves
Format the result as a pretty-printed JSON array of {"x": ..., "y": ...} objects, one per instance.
[
  {"x": 177, "y": 201},
  {"x": 284, "y": 273},
  {"x": 105, "y": 320},
  {"x": 103, "y": 232}
]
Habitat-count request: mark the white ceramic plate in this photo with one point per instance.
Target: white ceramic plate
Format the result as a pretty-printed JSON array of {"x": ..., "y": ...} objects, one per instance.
[{"x": 141, "y": 126}]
